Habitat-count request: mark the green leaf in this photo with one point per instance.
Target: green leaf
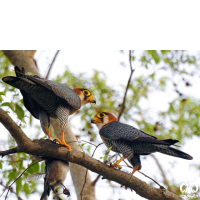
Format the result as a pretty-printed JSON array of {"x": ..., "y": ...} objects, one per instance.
[
  {"x": 154, "y": 55},
  {"x": 26, "y": 189},
  {"x": 19, "y": 111},
  {"x": 105, "y": 158},
  {"x": 109, "y": 149},
  {"x": 165, "y": 51},
  {"x": 5, "y": 104},
  {"x": 1, "y": 162},
  {"x": 34, "y": 169},
  {"x": 18, "y": 185}
]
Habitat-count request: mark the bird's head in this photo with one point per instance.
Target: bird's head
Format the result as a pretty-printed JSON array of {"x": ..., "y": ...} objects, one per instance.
[
  {"x": 103, "y": 118},
  {"x": 85, "y": 96}
]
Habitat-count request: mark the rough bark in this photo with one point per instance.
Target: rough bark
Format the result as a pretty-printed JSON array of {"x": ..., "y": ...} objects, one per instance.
[
  {"x": 38, "y": 147},
  {"x": 25, "y": 59}
]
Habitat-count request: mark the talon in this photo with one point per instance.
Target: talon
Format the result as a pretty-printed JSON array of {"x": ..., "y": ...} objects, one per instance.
[
  {"x": 125, "y": 187},
  {"x": 63, "y": 143},
  {"x": 116, "y": 164}
]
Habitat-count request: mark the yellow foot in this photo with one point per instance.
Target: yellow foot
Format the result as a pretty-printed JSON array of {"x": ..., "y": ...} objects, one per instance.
[
  {"x": 64, "y": 144},
  {"x": 115, "y": 165}
]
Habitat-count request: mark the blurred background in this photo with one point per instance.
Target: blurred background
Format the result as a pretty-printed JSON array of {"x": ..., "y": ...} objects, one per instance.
[{"x": 162, "y": 100}]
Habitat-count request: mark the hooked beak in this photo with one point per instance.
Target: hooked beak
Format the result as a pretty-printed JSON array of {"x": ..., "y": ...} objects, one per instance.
[
  {"x": 94, "y": 101},
  {"x": 91, "y": 99},
  {"x": 95, "y": 120}
]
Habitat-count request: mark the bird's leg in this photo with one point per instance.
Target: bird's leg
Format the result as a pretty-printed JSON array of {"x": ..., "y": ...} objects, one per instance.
[
  {"x": 116, "y": 164},
  {"x": 47, "y": 132},
  {"x": 62, "y": 141},
  {"x": 137, "y": 167}
]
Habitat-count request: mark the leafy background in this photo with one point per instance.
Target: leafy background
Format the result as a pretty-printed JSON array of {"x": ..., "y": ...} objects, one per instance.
[{"x": 162, "y": 99}]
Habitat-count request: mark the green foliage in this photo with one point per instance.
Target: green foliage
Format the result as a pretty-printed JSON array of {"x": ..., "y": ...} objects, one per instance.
[{"x": 163, "y": 71}]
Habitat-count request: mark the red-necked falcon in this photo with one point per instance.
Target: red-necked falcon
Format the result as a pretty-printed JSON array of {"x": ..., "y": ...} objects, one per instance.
[
  {"x": 45, "y": 98},
  {"x": 131, "y": 142}
]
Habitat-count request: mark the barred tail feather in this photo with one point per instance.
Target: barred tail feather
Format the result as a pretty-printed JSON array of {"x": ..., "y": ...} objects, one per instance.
[
  {"x": 19, "y": 83},
  {"x": 175, "y": 152}
]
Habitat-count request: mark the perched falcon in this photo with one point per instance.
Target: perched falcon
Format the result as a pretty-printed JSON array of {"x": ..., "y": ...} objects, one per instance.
[
  {"x": 54, "y": 176},
  {"x": 45, "y": 99},
  {"x": 131, "y": 142}
]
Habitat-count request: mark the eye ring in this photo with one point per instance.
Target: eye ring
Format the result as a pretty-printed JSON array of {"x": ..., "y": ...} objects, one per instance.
[
  {"x": 86, "y": 93},
  {"x": 101, "y": 115}
]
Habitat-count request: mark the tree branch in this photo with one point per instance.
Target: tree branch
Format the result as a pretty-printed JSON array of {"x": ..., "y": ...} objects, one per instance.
[
  {"x": 129, "y": 80},
  {"x": 162, "y": 172},
  {"x": 7, "y": 187},
  {"x": 50, "y": 67},
  {"x": 25, "y": 59},
  {"x": 16, "y": 132},
  {"x": 7, "y": 152},
  {"x": 56, "y": 151}
]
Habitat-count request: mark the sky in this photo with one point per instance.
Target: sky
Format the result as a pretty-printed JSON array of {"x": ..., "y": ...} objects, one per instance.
[{"x": 109, "y": 63}]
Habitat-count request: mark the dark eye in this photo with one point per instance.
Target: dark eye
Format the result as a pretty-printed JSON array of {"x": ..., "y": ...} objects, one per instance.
[{"x": 101, "y": 115}]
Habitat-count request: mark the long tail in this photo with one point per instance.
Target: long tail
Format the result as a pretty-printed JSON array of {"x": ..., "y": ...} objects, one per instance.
[{"x": 174, "y": 152}]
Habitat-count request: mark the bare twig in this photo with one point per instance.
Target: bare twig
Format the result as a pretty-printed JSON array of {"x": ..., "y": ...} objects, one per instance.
[
  {"x": 97, "y": 178},
  {"x": 6, "y": 187},
  {"x": 129, "y": 80},
  {"x": 87, "y": 171},
  {"x": 162, "y": 172},
  {"x": 50, "y": 67},
  {"x": 18, "y": 178},
  {"x": 143, "y": 174}
]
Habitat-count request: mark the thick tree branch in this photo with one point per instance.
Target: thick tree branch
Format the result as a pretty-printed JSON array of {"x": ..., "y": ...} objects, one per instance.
[
  {"x": 129, "y": 80},
  {"x": 16, "y": 132},
  {"x": 23, "y": 59},
  {"x": 56, "y": 151},
  {"x": 9, "y": 151}
]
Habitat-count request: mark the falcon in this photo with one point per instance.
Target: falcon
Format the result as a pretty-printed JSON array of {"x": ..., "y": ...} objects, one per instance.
[
  {"x": 45, "y": 98},
  {"x": 54, "y": 176},
  {"x": 131, "y": 142}
]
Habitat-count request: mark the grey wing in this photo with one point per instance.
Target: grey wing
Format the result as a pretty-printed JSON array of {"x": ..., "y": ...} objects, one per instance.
[
  {"x": 30, "y": 104},
  {"x": 60, "y": 90},
  {"x": 120, "y": 131}
]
